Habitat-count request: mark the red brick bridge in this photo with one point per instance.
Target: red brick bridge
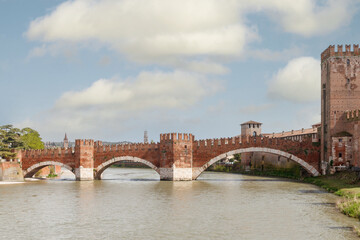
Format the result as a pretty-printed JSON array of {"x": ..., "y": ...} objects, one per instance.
[{"x": 175, "y": 157}]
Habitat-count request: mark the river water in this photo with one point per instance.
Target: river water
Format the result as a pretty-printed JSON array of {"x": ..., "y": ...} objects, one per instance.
[{"x": 134, "y": 204}]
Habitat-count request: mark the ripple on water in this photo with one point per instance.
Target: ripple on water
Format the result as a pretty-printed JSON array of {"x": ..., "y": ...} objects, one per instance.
[{"x": 134, "y": 204}]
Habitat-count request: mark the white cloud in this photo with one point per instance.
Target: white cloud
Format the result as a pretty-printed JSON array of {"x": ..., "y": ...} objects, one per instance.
[
  {"x": 148, "y": 29},
  {"x": 114, "y": 104},
  {"x": 307, "y": 17},
  {"x": 298, "y": 81},
  {"x": 199, "y": 35}
]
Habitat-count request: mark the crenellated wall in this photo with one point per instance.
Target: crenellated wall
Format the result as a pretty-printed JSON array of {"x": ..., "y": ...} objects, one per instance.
[
  {"x": 339, "y": 52},
  {"x": 176, "y": 157},
  {"x": 340, "y": 96}
]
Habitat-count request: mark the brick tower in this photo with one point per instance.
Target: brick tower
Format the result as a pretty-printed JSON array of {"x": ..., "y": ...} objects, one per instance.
[
  {"x": 176, "y": 156},
  {"x": 84, "y": 159},
  {"x": 340, "y": 93}
]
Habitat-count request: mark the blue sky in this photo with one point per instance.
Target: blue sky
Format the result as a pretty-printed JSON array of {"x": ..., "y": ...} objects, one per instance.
[{"x": 111, "y": 69}]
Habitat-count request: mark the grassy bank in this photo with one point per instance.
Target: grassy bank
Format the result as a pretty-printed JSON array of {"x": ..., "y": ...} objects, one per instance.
[{"x": 344, "y": 184}]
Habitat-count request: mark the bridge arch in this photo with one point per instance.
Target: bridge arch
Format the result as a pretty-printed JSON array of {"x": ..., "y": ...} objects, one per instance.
[
  {"x": 29, "y": 172},
  {"x": 102, "y": 167},
  {"x": 310, "y": 169}
]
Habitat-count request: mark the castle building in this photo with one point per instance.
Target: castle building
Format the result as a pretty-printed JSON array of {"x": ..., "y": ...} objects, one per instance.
[
  {"x": 340, "y": 104},
  {"x": 251, "y": 128},
  {"x": 298, "y": 135}
]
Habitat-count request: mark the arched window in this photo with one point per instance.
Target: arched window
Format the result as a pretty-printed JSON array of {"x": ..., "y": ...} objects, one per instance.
[{"x": 254, "y": 134}]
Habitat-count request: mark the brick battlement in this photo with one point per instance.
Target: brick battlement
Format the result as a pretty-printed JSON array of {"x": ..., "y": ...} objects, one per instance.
[
  {"x": 126, "y": 147},
  {"x": 176, "y": 136},
  {"x": 218, "y": 142},
  {"x": 339, "y": 52},
  {"x": 352, "y": 115},
  {"x": 47, "y": 152},
  {"x": 84, "y": 142}
]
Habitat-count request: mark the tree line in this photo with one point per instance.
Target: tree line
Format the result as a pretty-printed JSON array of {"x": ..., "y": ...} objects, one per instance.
[{"x": 12, "y": 138}]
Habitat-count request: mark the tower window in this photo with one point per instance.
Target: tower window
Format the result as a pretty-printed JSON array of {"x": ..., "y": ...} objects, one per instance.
[
  {"x": 340, "y": 155},
  {"x": 348, "y": 62},
  {"x": 347, "y": 80},
  {"x": 324, "y": 85},
  {"x": 340, "y": 139}
]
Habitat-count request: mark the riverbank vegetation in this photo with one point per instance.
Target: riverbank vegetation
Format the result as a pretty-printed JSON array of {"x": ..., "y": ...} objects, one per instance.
[{"x": 12, "y": 138}]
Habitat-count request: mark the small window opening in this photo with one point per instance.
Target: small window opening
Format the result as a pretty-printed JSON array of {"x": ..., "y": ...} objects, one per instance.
[
  {"x": 340, "y": 139},
  {"x": 348, "y": 62},
  {"x": 340, "y": 155},
  {"x": 347, "y": 80}
]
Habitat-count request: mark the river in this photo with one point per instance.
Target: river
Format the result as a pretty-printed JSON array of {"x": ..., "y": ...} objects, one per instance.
[{"x": 134, "y": 204}]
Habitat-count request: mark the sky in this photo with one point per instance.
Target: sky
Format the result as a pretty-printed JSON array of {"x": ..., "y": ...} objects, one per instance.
[{"x": 110, "y": 69}]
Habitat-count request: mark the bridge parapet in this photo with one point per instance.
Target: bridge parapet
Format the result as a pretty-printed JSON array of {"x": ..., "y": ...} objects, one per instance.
[
  {"x": 203, "y": 150},
  {"x": 126, "y": 147}
]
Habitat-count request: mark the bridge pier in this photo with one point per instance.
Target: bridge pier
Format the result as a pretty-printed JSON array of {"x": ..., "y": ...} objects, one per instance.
[
  {"x": 176, "y": 174},
  {"x": 176, "y": 157},
  {"x": 84, "y": 160}
]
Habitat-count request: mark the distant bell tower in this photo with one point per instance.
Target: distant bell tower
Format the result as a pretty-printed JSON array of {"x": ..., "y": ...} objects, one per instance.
[
  {"x": 251, "y": 128},
  {"x": 66, "y": 142},
  {"x": 146, "y": 139}
]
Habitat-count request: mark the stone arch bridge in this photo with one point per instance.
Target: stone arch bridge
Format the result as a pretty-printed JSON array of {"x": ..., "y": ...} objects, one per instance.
[{"x": 175, "y": 157}]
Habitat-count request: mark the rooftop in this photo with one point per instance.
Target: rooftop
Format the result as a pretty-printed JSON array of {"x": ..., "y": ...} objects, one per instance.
[{"x": 251, "y": 122}]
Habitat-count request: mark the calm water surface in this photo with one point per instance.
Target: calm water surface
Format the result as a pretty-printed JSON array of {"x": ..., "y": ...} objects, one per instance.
[{"x": 134, "y": 204}]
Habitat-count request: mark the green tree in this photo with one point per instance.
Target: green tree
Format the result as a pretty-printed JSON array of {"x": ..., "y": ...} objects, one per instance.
[
  {"x": 31, "y": 139},
  {"x": 10, "y": 138}
]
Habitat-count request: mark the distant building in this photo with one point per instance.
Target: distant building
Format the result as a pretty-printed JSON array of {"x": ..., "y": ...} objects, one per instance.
[
  {"x": 251, "y": 128},
  {"x": 298, "y": 135},
  {"x": 146, "y": 139},
  {"x": 66, "y": 142}
]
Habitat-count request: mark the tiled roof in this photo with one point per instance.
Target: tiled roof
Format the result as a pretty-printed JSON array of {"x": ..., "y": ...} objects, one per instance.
[
  {"x": 251, "y": 122},
  {"x": 291, "y": 133}
]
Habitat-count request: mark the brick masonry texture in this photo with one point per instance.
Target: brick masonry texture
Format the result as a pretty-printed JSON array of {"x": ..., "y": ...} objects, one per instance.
[
  {"x": 175, "y": 157},
  {"x": 340, "y": 95}
]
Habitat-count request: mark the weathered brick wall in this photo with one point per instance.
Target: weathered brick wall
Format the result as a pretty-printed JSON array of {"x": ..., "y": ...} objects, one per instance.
[
  {"x": 149, "y": 152},
  {"x": 340, "y": 81},
  {"x": 10, "y": 171},
  {"x": 61, "y": 155},
  {"x": 204, "y": 150}
]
